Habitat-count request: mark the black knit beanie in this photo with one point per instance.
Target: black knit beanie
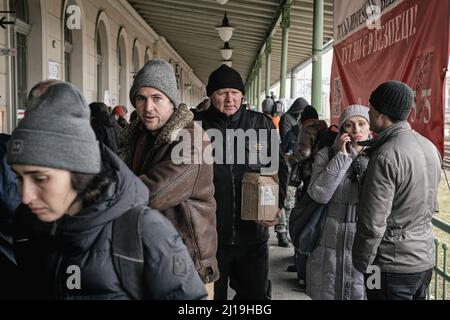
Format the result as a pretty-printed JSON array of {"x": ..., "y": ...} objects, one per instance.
[
  {"x": 393, "y": 98},
  {"x": 309, "y": 113},
  {"x": 224, "y": 77}
]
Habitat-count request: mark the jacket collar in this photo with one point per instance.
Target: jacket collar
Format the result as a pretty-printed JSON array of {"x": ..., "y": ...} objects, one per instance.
[
  {"x": 215, "y": 113},
  {"x": 386, "y": 134},
  {"x": 180, "y": 118},
  {"x": 309, "y": 122},
  {"x": 79, "y": 232}
]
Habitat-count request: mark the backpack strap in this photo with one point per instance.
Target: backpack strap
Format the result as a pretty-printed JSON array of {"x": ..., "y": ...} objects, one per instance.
[{"x": 127, "y": 251}]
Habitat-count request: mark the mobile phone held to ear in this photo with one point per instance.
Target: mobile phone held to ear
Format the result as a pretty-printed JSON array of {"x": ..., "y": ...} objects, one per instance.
[{"x": 347, "y": 146}]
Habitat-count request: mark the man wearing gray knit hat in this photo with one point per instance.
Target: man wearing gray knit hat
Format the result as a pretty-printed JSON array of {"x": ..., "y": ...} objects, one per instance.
[
  {"x": 183, "y": 192},
  {"x": 394, "y": 231}
]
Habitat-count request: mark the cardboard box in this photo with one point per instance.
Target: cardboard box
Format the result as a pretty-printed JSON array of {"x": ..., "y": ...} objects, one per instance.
[{"x": 259, "y": 197}]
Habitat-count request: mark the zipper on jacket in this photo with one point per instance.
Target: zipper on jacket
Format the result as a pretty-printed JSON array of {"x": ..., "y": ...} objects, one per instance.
[
  {"x": 343, "y": 258},
  {"x": 233, "y": 182},
  {"x": 233, "y": 240}
]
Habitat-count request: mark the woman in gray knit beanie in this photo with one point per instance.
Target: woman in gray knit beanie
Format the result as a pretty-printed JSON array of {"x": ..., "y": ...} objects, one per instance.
[
  {"x": 330, "y": 274},
  {"x": 76, "y": 235}
]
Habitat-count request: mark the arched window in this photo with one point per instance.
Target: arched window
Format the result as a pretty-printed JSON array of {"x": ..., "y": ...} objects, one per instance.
[
  {"x": 136, "y": 58},
  {"x": 20, "y": 62},
  {"x": 148, "y": 55},
  {"x": 21, "y": 9},
  {"x": 68, "y": 49},
  {"x": 73, "y": 43},
  {"x": 123, "y": 67},
  {"x": 99, "y": 69},
  {"x": 102, "y": 60}
]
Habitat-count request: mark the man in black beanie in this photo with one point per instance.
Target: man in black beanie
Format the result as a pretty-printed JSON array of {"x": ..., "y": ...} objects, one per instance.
[
  {"x": 394, "y": 236},
  {"x": 242, "y": 254}
]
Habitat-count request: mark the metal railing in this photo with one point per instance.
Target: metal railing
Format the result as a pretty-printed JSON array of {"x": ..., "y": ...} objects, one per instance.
[{"x": 440, "y": 274}]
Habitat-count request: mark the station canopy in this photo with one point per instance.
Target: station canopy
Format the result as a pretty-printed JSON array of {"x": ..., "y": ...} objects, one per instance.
[{"x": 189, "y": 27}]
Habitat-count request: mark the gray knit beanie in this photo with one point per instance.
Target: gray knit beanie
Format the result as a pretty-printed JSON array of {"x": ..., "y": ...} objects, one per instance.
[
  {"x": 56, "y": 133},
  {"x": 157, "y": 74},
  {"x": 354, "y": 110}
]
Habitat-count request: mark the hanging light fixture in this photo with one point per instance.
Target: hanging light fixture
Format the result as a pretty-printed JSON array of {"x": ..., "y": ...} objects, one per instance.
[
  {"x": 225, "y": 30},
  {"x": 222, "y": 1},
  {"x": 227, "y": 63},
  {"x": 226, "y": 51}
]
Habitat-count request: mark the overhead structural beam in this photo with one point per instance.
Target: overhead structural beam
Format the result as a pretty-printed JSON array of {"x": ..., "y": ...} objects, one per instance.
[{"x": 272, "y": 29}]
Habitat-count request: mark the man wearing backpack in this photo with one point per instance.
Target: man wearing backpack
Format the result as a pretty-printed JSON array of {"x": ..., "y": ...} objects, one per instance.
[{"x": 182, "y": 189}]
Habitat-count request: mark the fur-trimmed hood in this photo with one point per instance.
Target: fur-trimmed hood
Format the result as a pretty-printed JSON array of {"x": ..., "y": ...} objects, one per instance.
[{"x": 180, "y": 118}]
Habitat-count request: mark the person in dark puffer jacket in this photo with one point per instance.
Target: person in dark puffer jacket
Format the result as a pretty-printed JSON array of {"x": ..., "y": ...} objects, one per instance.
[
  {"x": 72, "y": 193},
  {"x": 292, "y": 117},
  {"x": 9, "y": 201},
  {"x": 106, "y": 128}
]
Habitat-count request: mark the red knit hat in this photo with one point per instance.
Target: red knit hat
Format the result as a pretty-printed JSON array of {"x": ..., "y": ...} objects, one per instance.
[{"x": 119, "y": 110}]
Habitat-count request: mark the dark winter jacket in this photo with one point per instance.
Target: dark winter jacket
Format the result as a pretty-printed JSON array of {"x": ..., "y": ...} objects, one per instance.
[
  {"x": 9, "y": 201},
  {"x": 122, "y": 122},
  {"x": 292, "y": 116},
  {"x": 183, "y": 192},
  {"x": 47, "y": 253},
  {"x": 305, "y": 146},
  {"x": 9, "y": 195},
  {"x": 106, "y": 130},
  {"x": 228, "y": 174},
  {"x": 289, "y": 142}
]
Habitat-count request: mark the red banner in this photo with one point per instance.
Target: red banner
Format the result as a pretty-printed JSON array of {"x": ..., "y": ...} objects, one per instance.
[{"x": 380, "y": 40}]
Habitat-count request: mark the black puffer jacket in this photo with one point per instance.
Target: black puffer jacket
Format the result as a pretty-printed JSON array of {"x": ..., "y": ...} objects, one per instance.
[
  {"x": 292, "y": 116},
  {"x": 228, "y": 177},
  {"x": 106, "y": 130},
  {"x": 45, "y": 251}
]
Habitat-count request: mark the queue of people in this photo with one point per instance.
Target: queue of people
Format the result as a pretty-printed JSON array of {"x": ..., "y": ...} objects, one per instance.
[{"x": 88, "y": 178}]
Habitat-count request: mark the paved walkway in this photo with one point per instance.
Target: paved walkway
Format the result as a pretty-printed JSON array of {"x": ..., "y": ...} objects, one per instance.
[{"x": 284, "y": 284}]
